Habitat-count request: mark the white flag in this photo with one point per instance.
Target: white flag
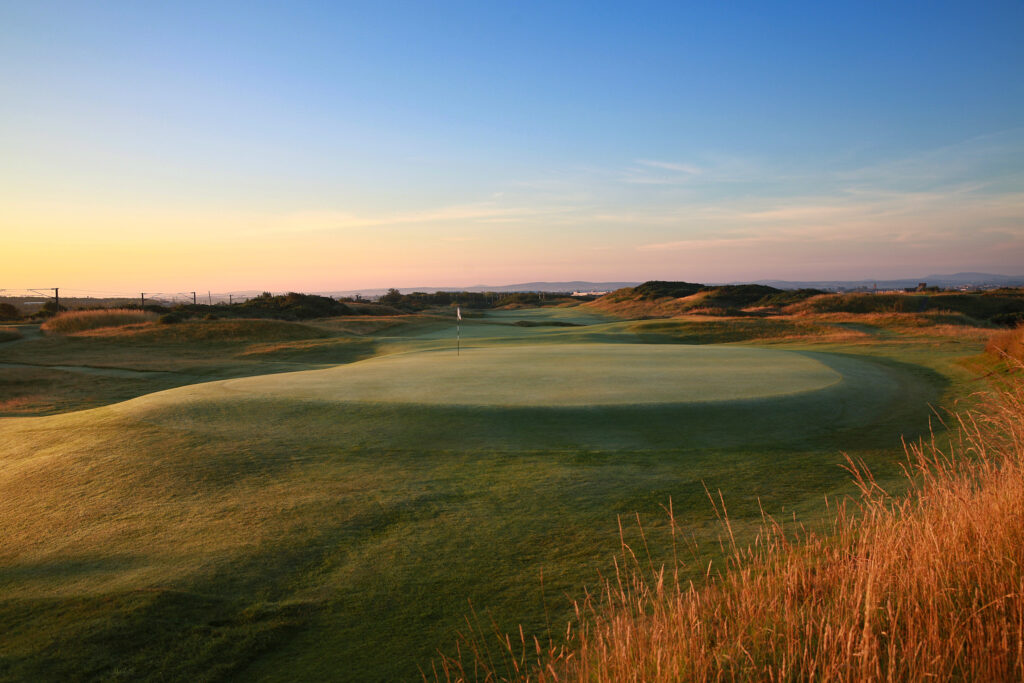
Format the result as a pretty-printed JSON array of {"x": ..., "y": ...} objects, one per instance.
[{"x": 458, "y": 313}]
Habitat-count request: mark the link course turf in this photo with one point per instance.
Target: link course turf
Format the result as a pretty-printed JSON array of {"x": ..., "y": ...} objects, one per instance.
[{"x": 336, "y": 523}]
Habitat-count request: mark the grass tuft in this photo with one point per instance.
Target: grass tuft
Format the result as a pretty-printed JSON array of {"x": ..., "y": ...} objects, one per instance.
[
  {"x": 928, "y": 584},
  {"x": 82, "y": 321}
]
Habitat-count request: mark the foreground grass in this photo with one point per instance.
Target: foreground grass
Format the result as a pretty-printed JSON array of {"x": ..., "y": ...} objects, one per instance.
[{"x": 918, "y": 586}]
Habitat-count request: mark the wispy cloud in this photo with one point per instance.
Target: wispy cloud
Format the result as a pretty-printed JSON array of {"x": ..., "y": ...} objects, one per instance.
[
  {"x": 654, "y": 172},
  {"x": 671, "y": 166},
  {"x": 315, "y": 221}
]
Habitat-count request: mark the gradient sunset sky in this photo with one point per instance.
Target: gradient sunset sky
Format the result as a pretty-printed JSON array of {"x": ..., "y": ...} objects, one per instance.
[{"x": 328, "y": 146}]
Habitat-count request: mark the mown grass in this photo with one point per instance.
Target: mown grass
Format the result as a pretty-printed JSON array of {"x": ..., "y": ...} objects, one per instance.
[
  {"x": 920, "y": 585},
  {"x": 72, "y": 322}
]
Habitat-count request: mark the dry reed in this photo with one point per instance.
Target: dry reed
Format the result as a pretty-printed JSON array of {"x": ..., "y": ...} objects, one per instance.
[
  {"x": 80, "y": 321},
  {"x": 924, "y": 585}
]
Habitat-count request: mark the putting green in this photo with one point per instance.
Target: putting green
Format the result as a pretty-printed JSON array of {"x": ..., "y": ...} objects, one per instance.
[{"x": 557, "y": 376}]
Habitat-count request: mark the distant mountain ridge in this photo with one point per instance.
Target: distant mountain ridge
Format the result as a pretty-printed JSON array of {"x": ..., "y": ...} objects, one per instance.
[
  {"x": 572, "y": 286},
  {"x": 947, "y": 280}
]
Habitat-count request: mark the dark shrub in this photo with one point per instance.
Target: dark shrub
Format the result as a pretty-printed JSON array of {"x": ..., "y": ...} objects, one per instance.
[
  {"x": 1008, "y": 319},
  {"x": 658, "y": 289},
  {"x": 9, "y": 312}
]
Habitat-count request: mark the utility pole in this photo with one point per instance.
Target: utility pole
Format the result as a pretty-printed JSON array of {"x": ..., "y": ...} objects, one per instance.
[
  {"x": 142, "y": 295},
  {"x": 56, "y": 296},
  {"x": 229, "y": 299},
  {"x": 193, "y": 298},
  {"x": 209, "y": 298}
]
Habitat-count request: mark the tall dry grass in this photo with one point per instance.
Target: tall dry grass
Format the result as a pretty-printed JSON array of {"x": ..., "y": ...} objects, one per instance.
[
  {"x": 927, "y": 584},
  {"x": 80, "y": 321},
  {"x": 1008, "y": 344}
]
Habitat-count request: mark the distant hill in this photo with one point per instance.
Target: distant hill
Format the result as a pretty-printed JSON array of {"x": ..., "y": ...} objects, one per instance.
[
  {"x": 661, "y": 298},
  {"x": 658, "y": 298},
  {"x": 572, "y": 286},
  {"x": 950, "y": 280}
]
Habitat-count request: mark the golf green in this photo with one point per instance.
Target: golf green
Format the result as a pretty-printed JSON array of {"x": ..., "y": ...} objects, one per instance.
[{"x": 569, "y": 375}]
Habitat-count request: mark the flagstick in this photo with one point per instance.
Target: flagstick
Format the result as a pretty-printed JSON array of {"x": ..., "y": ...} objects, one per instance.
[{"x": 458, "y": 331}]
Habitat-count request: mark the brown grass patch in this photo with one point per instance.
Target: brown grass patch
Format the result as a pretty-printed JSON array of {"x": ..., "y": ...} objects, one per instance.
[
  {"x": 73, "y": 322},
  {"x": 1008, "y": 344},
  {"x": 896, "y": 320},
  {"x": 236, "y": 330},
  {"x": 928, "y": 585}
]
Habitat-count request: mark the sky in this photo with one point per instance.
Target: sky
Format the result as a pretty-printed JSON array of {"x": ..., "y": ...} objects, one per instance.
[{"x": 332, "y": 146}]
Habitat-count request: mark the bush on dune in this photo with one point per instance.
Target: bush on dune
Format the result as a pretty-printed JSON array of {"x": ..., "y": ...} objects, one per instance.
[
  {"x": 71, "y": 322},
  {"x": 657, "y": 289},
  {"x": 290, "y": 306},
  {"x": 924, "y": 585},
  {"x": 9, "y": 312}
]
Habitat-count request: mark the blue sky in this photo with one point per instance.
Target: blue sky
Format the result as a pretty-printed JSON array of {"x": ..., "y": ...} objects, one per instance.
[{"x": 344, "y": 145}]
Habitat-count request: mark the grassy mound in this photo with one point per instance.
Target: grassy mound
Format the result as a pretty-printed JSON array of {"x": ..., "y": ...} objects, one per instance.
[
  {"x": 659, "y": 298},
  {"x": 211, "y": 331},
  {"x": 73, "y": 322},
  {"x": 911, "y": 587},
  {"x": 987, "y": 306},
  {"x": 667, "y": 299}
]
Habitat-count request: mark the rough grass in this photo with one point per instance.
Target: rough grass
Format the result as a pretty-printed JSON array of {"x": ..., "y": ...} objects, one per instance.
[
  {"x": 693, "y": 330},
  {"x": 926, "y": 585},
  {"x": 72, "y": 322},
  {"x": 982, "y": 306},
  {"x": 235, "y": 330},
  {"x": 39, "y": 390},
  {"x": 325, "y": 351},
  {"x": 1008, "y": 344},
  {"x": 9, "y": 334}
]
